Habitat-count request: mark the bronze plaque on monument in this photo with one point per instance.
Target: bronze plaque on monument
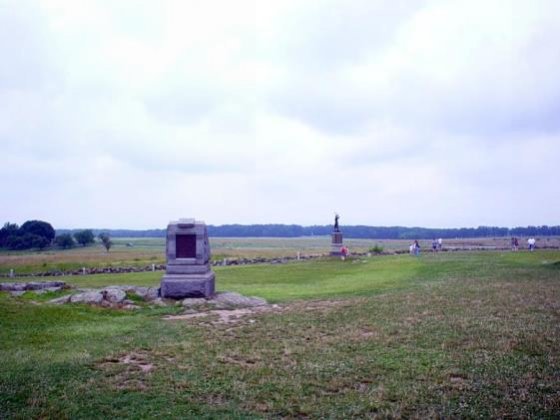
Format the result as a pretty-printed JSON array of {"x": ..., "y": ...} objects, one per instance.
[{"x": 185, "y": 246}]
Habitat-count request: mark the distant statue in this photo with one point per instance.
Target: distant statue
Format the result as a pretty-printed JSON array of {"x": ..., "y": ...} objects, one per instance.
[{"x": 336, "y": 217}]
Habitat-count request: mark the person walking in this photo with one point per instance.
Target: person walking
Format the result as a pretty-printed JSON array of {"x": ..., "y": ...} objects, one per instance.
[{"x": 416, "y": 248}]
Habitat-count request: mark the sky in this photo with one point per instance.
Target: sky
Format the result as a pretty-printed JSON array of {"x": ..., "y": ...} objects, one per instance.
[{"x": 129, "y": 114}]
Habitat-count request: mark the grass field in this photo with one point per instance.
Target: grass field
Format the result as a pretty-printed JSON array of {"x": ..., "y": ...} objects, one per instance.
[
  {"x": 453, "y": 335},
  {"x": 147, "y": 251}
]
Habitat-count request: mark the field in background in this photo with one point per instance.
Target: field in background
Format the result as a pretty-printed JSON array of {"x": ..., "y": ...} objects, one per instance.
[
  {"x": 465, "y": 334},
  {"x": 142, "y": 252}
]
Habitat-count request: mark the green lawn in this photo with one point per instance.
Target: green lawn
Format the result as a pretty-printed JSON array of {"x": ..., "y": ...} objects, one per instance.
[{"x": 453, "y": 335}]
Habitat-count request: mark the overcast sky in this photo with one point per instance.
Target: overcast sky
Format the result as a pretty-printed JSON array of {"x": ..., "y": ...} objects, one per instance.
[{"x": 128, "y": 114}]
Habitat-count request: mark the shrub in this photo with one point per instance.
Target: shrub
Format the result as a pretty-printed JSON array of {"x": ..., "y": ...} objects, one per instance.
[{"x": 376, "y": 249}]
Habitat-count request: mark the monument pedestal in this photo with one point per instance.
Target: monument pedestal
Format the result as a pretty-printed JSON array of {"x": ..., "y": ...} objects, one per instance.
[
  {"x": 336, "y": 243},
  {"x": 188, "y": 271},
  {"x": 180, "y": 286}
]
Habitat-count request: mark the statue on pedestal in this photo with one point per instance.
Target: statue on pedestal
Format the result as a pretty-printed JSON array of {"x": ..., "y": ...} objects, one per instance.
[
  {"x": 336, "y": 217},
  {"x": 336, "y": 237}
]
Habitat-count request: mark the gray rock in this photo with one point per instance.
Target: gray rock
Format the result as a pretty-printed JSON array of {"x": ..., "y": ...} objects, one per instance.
[
  {"x": 131, "y": 306},
  {"x": 39, "y": 285},
  {"x": 12, "y": 287},
  {"x": 236, "y": 299},
  {"x": 159, "y": 302},
  {"x": 61, "y": 300},
  {"x": 86, "y": 290},
  {"x": 146, "y": 293},
  {"x": 117, "y": 287},
  {"x": 16, "y": 293},
  {"x": 152, "y": 294},
  {"x": 192, "y": 302},
  {"x": 114, "y": 295},
  {"x": 87, "y": 297},
  {"x": 127, "y": 302}
]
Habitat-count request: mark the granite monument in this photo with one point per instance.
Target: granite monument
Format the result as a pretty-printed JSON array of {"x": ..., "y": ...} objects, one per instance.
[
  {"x": 336, "y": 238},
  {"x": 188, "y": 272}
]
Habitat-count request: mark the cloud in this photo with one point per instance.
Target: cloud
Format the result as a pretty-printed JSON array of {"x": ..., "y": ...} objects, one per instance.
[{"x": 422, "y": 113}]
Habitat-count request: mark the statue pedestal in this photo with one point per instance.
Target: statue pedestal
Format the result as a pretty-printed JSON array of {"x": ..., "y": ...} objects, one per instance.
[{"x": 336, "y": 243}]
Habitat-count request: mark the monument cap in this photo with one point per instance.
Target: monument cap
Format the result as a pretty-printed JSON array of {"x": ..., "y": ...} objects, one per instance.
[{"x": 185, "y": 223}]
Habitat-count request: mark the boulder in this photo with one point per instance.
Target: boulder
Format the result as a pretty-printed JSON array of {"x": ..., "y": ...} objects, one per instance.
[
  {"x": 236, "y": 299},
  {"x": 40, "y": 285},
  {"x": 87, "y": 297},
  {"x": 159, "y": 302},
  {"x": 12, "y": 287},
  {"x": 147, "y": 293},
  {"x": 114, "y": 295},
  {"x": 192, "y": 302}
]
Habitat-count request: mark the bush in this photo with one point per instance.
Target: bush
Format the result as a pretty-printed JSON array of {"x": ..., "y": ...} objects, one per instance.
[
  {"x": 376, "y": 249},
  {"x": 65, "y": 241}
]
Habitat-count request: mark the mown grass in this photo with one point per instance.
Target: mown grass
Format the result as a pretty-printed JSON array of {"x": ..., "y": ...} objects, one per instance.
[
  {"x": 454, "y": 335},
  {"x": 147, "y": 251}
]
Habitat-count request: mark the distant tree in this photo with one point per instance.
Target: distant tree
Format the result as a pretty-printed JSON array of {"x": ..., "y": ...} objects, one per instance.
[
  {"x": 15, "y": 242},
  {"x": 84, "y": 237},
  {"x": 9, "y": 229},
  {"x": 64, "y": 241},
  {"x": 40, "y": 242},
  {"x": 39, "y": 228},
  {"x": 106, "y": 241}
]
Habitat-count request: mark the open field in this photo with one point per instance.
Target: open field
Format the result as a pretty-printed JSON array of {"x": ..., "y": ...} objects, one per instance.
[
  {"x": 452, "y": 334},
  {"x": 147, "y": 251}
]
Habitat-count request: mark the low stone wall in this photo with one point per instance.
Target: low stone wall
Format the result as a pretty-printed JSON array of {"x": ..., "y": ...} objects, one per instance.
[
  {"x": 51, "y": 286},
  {"x": 248, "y": 261}
]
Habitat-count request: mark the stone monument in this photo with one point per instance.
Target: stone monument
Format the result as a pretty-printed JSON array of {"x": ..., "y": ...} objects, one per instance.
[
  {"x": 188, "y": 271},
  {"x": 336, "y": 238}
]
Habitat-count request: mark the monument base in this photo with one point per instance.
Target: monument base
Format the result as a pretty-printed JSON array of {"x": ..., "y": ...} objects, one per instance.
[
  {"x": 336, "y": 243},
  {"x": 180, "y": 286}
]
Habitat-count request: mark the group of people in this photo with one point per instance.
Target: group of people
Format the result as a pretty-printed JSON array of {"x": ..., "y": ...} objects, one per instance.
[
  {"x": 437, "y": 245},
  {"x": 531, "y": 242}
]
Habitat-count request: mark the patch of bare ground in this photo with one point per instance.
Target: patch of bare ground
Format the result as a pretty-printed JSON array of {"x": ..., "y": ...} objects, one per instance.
[
  {"x": 223, "y": 316},
  {"x": 233, "y": 316},
  {"x": 128, "y": 371}
]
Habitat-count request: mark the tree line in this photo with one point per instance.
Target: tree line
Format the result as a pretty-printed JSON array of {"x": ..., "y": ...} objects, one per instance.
[
  {"x": 355, "y": 231},
  {"x": 38, "y": 234}
]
